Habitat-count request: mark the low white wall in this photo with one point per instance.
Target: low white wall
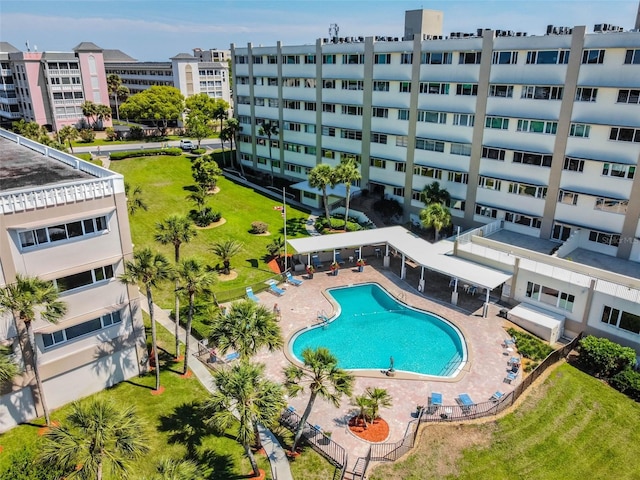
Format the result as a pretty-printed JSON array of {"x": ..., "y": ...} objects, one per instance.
[{"x": 16, "y": 407}]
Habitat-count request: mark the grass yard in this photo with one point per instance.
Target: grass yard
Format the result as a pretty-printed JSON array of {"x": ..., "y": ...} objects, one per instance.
[
  {"x": 165, "y": 183},
  {"x": 570, "y": 427}
]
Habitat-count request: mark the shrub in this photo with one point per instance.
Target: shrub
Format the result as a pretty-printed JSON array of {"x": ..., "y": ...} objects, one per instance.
[
  {"x": 259, "y": 227},
  {"x": 111, "y": 134},
  {"x": 86, "y": 135},
  {"x": 204, "y": 217},
  {"x": 604, "y": 358},
  {"x": 530, "y": 346},
  {"x": 388, "y": 207},
  {"x": 628, "y": 382},
  {"x": 335, "y": 224},
  {"x": 152, "y": 152},
  {"x": 198, "y": 151},
  {"x": 136, "y": 133}
]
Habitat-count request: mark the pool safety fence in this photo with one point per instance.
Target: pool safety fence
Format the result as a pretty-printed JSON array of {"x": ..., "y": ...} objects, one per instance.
[
  {"x": 390, "y": 452},
  {"x": 319, "y": 441}
]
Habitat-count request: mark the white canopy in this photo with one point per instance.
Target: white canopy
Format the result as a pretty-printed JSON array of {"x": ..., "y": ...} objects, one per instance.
[{"x": 437, "y": 257}]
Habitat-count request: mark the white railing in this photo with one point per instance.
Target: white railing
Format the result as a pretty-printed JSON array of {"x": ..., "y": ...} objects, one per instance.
[{"x": 483, "y": 231}]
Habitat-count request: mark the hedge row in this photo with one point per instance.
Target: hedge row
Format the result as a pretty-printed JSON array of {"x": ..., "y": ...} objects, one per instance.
[{"x": 150, "y": 152}]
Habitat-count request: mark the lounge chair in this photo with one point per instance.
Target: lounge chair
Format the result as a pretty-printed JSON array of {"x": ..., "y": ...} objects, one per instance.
[
  {"x": 273, "y": 286},
  {"x": 509, "y": 342},
  {"x": 496, "y": 397},
  {"x": 339, "y": 258},
  {"x": 251, "y": 295},
  {"x": 435, "y": 401},
  {"x": 316, "y": 261},
  {"x": 230, "y": 357},
  {"x": 464, "y": 400},
  {"x": 511, "y": 376},
  {"x": 293, "y": 281}
]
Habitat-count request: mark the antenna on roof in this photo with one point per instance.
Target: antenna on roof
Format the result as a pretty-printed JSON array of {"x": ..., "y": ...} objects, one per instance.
[
  {"x": 27, "y": 44},
  {"x": 333, "y": 32}
]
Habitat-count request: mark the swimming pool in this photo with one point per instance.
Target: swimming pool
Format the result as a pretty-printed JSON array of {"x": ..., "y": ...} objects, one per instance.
[{"x": 371, "y": 326}]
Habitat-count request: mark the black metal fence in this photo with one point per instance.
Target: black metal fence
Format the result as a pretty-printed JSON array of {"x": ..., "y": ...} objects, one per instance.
[
  {"x": 319, "y": 441},
  {"x": 390, "y": 452}
]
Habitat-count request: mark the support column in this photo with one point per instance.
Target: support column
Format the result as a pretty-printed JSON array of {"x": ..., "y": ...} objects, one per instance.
[
  {"x": 454, "y": 294},
  {"x": 403, "y": 269}
]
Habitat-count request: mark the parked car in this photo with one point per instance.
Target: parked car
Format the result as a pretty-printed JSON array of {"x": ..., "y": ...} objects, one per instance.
[{"x": 187, "y": 145}]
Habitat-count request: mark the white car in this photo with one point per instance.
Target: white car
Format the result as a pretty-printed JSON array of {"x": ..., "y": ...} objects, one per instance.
[{"x": 187, "y": 145}]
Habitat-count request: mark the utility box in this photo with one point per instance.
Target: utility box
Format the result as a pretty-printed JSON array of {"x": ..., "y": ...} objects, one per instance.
[{"x": 543, "y": 323}]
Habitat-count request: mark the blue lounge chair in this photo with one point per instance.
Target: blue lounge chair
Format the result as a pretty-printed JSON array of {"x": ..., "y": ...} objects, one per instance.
[
  {"x": 293, "y": 281},
  {"x": 251, "y": 295},
  {"x": 496, "y": 397},
  {"x": 230, "y": 357},
  {"x": 465, "y": 402},
  {"x": 511, "y": 376},
  {"x": 316, "y": 261},
  {"x": 273, "y": 286},
  {"x": 339, "y": 258}
]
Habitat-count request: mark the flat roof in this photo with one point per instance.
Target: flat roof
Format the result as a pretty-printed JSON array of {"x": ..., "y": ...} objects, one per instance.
[
  {"x": 22, "y": 167},
  {"x": 437, "y": 257}
]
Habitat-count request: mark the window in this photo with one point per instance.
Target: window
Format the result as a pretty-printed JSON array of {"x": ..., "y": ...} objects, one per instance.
[
  {"x": 400, "y": 167},
  {"x": 290, "y": 82},
  {"x": 401, "y": 140},
  {"x": 329, "y": 59},
  {"x": 467, "y": 89},
  {"x": 309, "y": 82},
  {"x": 436, "y": 58},
  {"x": 352, "y": 58},
  {"x": 351, "y": 110},
  {"x": 242, "y": 59},
  {"x": 568, "y": 198},
  {"x": 456, "y": 204},
  {"x": 537, "y": 126},
  {"x": 621, "y": 319},
  {"x": 382, "y": 58},
  {"x": 328, "y": 84},
  {"x": 536, "y": 159},
  {"x": 291, "y": 104},
  {"x": 377, "y": 162},
  {"x": 434, "y": 88},
  {"x": 489, "y": 183},
  {"x": 272, "y": 81},
  {"x": 573, "y": 164},
  {"x": 258, "y": 80},
  {"x": 292, "y": 147},
  {"x": 493, "y": 153},
  {"x": 463, "y": 119},
  {"x": 632, "y": 57},
  {"x": 431, "y": 145},
  {"x": 458, "y": 177},
  {"x": 242, "y": 80},
  {"x": 550, "y": 296},
  {"x": 62, "y": 336},
  {"x": 310, "y": 195},
  {"x": 291, "y": 59},
  {"x": 428, "y": 172},
  {"x": 329, "y": 107},
  {"x": 499, "y": 123},
  {"x": 520, "y": 219},
  {"x": 292, "y": 167},
  {"x": 432, "y": 117},
  {"x": 628, "y": 96},
  {"x": 561, "y": 232},
  {"x": 592, "y": 56},
  {"x": 310, "y": 59},
  {"x": 579, "y": 130},
  {"x": 82, "y": 279},
  {"x": 625, "y": 134},
  {"x": 584, "y": 94},
  {"x": 611, "y": 205},
  {"x": 328, "y": 131},
  {"x": 538, "y": 92},
  {"x": 406, "y": 58},
  {"x": 378, "y": 138},
  {"x": 328, "y": 153},
  {"x": 604, "y": 238},
  {"x": 486, "y": 211},
  {"x": 310, "y": 106},
  {"x": 56, "y": 233},
  {"x": 380, "y": 86},
  {"x": 469, "y": 58},
  {"x": 398, "y": 191},
  {"x": 273, "y": 102},
  {"x": 310, "y": 150},
  {"x": 405, "y": 87},
  {"x": 352, "y": 85},
  {"x": 350, "y": 134},
  {"x": 403, "y": 114},
  {"x": 548, "y": 57},
  {"x": 527, "y": 190},
  {"x": 292, "y": 126},
  {"x": 380, "y": 112},
  {"x": 505, "y": 91},
  {"x": 505, "y": 58},
  {"x": 618, "y": 170},
  {"x": 463, "y": 149},
  {"x": 309, "y": 128}
]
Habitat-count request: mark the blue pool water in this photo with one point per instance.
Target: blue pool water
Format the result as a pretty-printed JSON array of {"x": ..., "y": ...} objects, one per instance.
[{"x": 372, "y": 326}]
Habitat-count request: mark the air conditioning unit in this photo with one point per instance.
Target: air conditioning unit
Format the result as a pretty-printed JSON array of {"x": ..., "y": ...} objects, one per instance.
[{"x": 549, "y": 29}]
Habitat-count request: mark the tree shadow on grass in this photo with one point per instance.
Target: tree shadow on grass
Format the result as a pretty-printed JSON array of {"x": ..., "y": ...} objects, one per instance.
[
  {"x": 185, "y": 426},
  {"x": 216, "y": 466}
]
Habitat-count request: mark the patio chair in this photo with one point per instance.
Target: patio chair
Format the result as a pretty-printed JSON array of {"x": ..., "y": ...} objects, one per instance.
[
  {"x": 464, "y": 400},
  {"x": 315, "y": 261},
  {"x": 509, "y": 342},
  {"x": 273, "y": 286},
  {"x": 511, "y": 376},
  {"x": 435, "y": 401},
  {"x": 230, "y": 357},
  {"x": 293, "y": 281},
  {"x": 496, "y": 397},
  {"x": 339, "y": 258},
  {"x": 251, "y": 295}
]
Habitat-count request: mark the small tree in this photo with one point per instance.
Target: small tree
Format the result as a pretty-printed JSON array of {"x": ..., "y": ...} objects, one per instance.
[
  {"x": 135, "y": 201},
  {"x": 158, "y": 104},
  {"x": 364, "y": 408},
  {"x": 68, "y": 134},
  {"x": 205, "y": 172},
  {"x": 378, "y": 397},
  {"x": 432, "y": 193},
  {"x": 437, "y": 216},
  {"x": 347, "y": 172},
  {"x": 269, "y": 128},
  {"x": 226, "y": 250},
  {"x": 198, "y": 126},
  {"x": 321, "y": 177},
  {"x": 604, "y": 358},
  {"x": 87, "y": 135}
]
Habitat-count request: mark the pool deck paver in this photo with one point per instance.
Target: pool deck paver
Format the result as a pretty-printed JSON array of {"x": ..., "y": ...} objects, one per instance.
[{"x": 483, "y": 375}]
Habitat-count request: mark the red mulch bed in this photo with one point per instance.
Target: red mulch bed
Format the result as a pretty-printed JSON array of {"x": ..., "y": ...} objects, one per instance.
[{"x": 378, "y": 431}]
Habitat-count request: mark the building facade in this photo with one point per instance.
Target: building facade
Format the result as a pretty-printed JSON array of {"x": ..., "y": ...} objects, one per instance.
[
  {"x": 66, "y": 220},
  {"x": 542, "y": 132}
]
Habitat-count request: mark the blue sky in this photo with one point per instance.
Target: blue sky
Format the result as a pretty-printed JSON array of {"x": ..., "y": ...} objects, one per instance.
[{"x": 155, "y": 30}]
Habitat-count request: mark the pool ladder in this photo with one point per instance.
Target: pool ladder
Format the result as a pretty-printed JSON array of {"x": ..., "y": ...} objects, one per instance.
[{"x": 323, "y": 317}]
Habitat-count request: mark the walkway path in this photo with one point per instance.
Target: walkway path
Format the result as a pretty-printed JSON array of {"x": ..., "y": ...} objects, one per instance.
[{"x": 280, "y": 469}]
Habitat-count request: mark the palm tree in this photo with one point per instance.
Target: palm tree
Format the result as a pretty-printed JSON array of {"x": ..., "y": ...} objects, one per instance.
[
  {"x": 149, "y": 269},
  {"x": 347, "y": 172},
  {"x": 245, "y": 391},
  {"x": 378, "y": 397},
  {"x": 226, "y": 250},
  {"x": 103, "y": 112},
  {"x": 320, "y": 177},
  {"x": 364, "y": 408},
  {"x": 233, "y": 127},
  {"x": 98, "y": 437},
  {"x": 68, "y": 134},
  {"x": 432, "y": 193},
  {"x": 437, "y": 216},
  {"x": 225, "y": 136},
  {"x": 171, "y": 469},
  {"x": 322, "y": 377},
  {"x": 134, "y": 199},
  {"x": 175, "y": 230},
  {"x": 193, "y": 279},
  {"x": 220, "y": 111},
  {"x": 246, "y": 328},
  {"x": 119, "y": 91},
  {"x": 89, "y": 110},
  {"x": 27, "y": 299},
  {"x": 199, "y": 196},
  {"x": 8, "y": 368},
  {"x": 269, "y": 129}
]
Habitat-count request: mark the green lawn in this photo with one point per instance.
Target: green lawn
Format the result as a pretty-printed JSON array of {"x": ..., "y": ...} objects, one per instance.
[
  {"x": 571, "y": 427},
  {"x": 166, "y": 181}
]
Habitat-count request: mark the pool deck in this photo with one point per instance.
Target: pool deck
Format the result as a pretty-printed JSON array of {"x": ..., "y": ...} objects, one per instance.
[{"x": 482, "y": 376}]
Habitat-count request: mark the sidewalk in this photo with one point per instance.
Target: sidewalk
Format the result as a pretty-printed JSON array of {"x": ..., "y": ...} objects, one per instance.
[{"x": 280, "y": 469}]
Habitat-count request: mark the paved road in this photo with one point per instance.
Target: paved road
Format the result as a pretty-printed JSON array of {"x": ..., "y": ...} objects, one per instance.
[{"x": 211, "y": 143}]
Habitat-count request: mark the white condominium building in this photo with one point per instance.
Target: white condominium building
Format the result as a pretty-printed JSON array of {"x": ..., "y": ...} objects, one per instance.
[{"x": 542, "y": 132}]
